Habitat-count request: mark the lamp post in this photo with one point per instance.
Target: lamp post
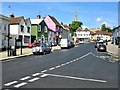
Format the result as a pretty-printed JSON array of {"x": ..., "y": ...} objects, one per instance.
[{"x": 8, "y": 36}]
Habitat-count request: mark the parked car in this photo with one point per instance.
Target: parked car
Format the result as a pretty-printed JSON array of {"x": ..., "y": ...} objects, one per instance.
[
  {"x": 81, "y": 42},
  {"x": 72, "y": 43},
  {"x": 98, "y": 43},
  {"x": 101, "y": 48},
  {"x": 30, "y": 45},
  {"x": 42, "y": 48}
]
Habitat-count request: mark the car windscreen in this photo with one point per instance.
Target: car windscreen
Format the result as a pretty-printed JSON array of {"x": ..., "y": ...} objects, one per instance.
[{"x": 99, "y": 43}]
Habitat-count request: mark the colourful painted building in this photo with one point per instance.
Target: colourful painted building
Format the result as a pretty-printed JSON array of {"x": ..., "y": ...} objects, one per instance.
[
  {"x": 39, "y": 30},
  {"x": 55, "y": 27}
]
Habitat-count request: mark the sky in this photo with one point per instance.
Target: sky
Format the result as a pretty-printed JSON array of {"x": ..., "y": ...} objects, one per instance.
[{"x": 91, "y": 14}]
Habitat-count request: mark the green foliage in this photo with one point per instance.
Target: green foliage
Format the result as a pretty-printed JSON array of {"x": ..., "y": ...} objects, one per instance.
[
  {"x": 104, "y": 28},
  {"x": 108, "y": 29},
  {"x": 74, "y": 26}
]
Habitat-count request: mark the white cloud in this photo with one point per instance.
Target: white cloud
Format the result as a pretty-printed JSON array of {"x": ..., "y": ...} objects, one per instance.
[{"x": 99, "y": 19}]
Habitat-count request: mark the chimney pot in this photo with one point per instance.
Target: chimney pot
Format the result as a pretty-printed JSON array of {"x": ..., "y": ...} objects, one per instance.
[
  {"x": 38, "y": 16},
  {"x": 12, "y": 16}
]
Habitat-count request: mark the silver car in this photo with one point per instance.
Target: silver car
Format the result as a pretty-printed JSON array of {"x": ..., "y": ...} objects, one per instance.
[{"x": 42, "y": 48}]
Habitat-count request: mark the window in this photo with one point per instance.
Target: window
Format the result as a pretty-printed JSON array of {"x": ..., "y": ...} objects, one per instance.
[
  {"x": 22, "y": 28},
  {"x": 39, "y": 28},
  {"x": 26, "y": 39},
  {"x": 5, "y": 27},
  {"x": 45, "y": 29},
  {"x": 28, "y": 29}
]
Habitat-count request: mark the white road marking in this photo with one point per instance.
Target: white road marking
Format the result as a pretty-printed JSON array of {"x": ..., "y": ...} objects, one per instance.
[
  {"x": 84, "y": 55},
  {"x": 36, "y": 74},
  {"x": 57, "y": 66},
  {"x": 71, "y": 61},
  {"x": 74, "y": 60},
  {"x": 21, "y": 84},
  {"x": 10, "y": 83},
  {"x": 67, "y": 63},
  {"x": 34, "y": 79},
  {"x": 52, "y": 68},
  {"x": 44, "y": 75},
  {"x": 77, "y": 78},
  {"x": 25, "y": 78},
  {"x": 44, "y": 71},
  {"x": 62, "y": 64},
  {"x": 77, "y": 59}
]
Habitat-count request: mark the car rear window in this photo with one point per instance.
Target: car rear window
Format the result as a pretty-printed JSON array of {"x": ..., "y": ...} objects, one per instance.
[{"x": 36, "y": 45}]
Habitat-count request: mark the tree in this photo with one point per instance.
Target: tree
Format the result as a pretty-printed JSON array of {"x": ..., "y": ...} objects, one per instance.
[
  {"x": 108, "y": 29},
  {"x": 74, "y": 26},
  {"x": 103, "y": 27}
]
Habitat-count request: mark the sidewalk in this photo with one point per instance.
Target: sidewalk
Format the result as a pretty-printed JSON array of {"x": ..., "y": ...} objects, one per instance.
[
  {"x": 25, "y": 52},
  {"x": 113, "y": 50}
]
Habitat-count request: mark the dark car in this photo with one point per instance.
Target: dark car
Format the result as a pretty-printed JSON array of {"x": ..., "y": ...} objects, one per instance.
[
  {"x": 72, "y": 44},
  {"x": 101, "y": 48},
  {"x": 98, "y": 43}
]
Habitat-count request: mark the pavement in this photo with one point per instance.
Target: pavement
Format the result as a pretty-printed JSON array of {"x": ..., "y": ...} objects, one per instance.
[
  {"x": 113, "y": 50},
  {"x": 25, "y": 52}
]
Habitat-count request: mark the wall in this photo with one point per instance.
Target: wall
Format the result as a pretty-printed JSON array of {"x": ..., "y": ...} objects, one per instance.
[
  {"x": 4, "y": 22},
  {"x": 14, "y": 29},
  {"x": 50, "y": 23},
  {"x": 34, "y": 30},
  {"x": 83, "y": 34}
]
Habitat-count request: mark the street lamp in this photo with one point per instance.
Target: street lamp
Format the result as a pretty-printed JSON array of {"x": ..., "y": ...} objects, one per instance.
[{"x": 8, "y": 36}]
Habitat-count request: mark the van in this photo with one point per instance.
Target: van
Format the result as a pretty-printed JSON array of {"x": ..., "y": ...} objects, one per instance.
[{"x": 64, "y": 43}]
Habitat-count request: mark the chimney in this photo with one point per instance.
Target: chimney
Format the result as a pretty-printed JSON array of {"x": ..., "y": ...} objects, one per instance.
[
  {"x": 61, "y": 23},
  {"x": 38, "y": 16},
  {"x": 12, "y": 16}
]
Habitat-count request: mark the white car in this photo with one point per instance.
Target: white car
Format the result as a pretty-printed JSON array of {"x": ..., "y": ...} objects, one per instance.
[
  {"x": 81, "y": 42},
  {"x": 41, "y": 48}
]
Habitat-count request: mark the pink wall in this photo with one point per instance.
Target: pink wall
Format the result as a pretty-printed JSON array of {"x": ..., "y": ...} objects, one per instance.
[{"x": 50, "y": 23}]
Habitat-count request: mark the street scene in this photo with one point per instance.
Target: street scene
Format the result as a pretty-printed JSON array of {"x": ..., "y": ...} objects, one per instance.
[{"x": 44, "y": 46}]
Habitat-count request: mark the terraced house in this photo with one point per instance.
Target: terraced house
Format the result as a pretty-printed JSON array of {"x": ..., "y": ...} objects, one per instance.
[
  {"x": 55, "y": 29},
  {"x": 20, "y": 28},
  {"x": 116, "y": 35},
  {"x": 4, "y": 26},
  {"x": 39, "y": 30}
]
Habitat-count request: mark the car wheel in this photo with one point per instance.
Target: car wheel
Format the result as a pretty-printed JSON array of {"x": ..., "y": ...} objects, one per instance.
[
  {"x": 44, "y": 52},
  {"x": 34, "y": 53}
]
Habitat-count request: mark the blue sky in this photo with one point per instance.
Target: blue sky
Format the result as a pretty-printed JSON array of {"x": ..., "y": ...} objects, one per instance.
[{"x": 92, "y": 14}]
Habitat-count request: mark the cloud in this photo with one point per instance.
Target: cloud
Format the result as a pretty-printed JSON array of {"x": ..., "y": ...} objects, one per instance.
[
  {"x": 99, "y": 19},
  {"x": 106, "y": 23}
]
